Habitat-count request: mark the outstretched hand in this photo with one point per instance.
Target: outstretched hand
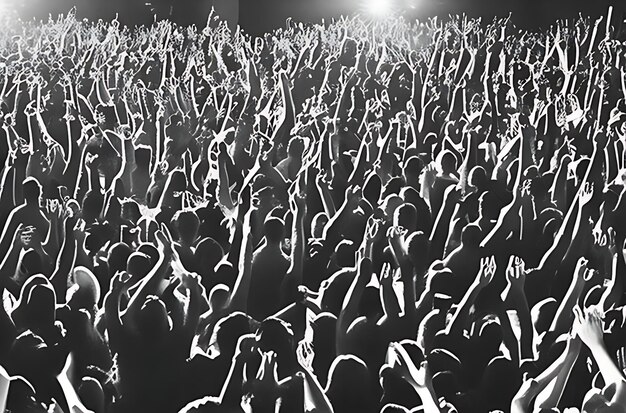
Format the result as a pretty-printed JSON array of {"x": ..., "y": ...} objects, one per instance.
[
  {"x": 516, "y": 273},
  {"x": 588, "y": 325},
  {"x": 487, "y": 271}
]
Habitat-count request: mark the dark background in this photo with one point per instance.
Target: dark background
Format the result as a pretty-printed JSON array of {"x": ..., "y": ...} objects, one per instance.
[{"x": 259, "y": 16}]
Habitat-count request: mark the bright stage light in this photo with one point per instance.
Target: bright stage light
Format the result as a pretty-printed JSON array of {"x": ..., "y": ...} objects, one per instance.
[{"x": 378, "y": 8}]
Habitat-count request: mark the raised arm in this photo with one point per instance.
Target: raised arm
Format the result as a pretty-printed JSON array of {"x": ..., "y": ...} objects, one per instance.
[
  {"x": 484, "y": 277},
  {"x": 151, "y": 283},
  {"x": 515, "y": 296},
  {"x": 560, "y": 370},
  {"x": 239, "y": 297},
  {"x": 589, "y": 328},
  {"x": 293, "y": 277},
  {"x": 65, "y": 260},
  {"x": 350, "y": 307}
]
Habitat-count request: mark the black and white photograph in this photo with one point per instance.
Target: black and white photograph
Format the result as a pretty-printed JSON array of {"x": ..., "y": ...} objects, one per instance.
[{"x": 313, "y": 206}]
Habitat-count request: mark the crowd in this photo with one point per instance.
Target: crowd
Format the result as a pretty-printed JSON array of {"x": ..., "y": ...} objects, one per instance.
[{"x": 363, "y": 216}]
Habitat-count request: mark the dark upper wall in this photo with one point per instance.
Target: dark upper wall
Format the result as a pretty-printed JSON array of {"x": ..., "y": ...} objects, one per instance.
[
  {"x": 259, "y": 16},
  {"x": 526, "y": 13}
]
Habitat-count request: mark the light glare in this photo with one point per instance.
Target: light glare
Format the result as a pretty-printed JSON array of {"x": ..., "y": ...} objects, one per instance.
[{"x": 378, "y": 7}]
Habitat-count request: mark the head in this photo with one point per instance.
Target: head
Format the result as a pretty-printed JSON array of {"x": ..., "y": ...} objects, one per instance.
[
  {"x": 344, "y": 254},
  {"x": 117, "y": 258},
  {"x": 32, "y": 191},
  {"x": 143, "y": 156},
  {"x": 478, "y": 178},
  {"x": 218, "y": 298},
  {"x": 150, "y": 251},
  {"x": 210, "y": 253},
  {"x": 372, "y": 189},
  {"x": 333, "y": 291},
  {"x": 412, "y": 169},
  {"x": 352, "y": 395},
  {"x": 405, "y": 216},
  {"x": 228, "y": 330},
  {"x": 153, "y": 322},
  {"x": 471, "y": 236},
  {"x": 92, "y": 205},
  {"x": 187, "y": 224},
  {"x": 370, "y": 305},
  {"x": 418, "y": 247},
  {"x": 87, "y": 294},
  {"x": 41, "y": 306},
  {"x": 390, "y": 204},
  {"x": 130, "y": 211},
  {"x": 446, "y": 161},
  {"x": 275, "y": 335},
  {"x": 488, "y": 206},
  {"x": 295, "y": 147},
  {"x": 30, "y": 264},
  {"x": 393, "y": 187},
  {"x": 274, "y": 229},
  {"x": 489, "y": 335},
  {"x": 91, "y": 394},
  {"x": 542, "y": 314},
  {"x": 318, "y": 224},
  {"x": 138, "y": 265},
  {"x": 428, "y": 329}
]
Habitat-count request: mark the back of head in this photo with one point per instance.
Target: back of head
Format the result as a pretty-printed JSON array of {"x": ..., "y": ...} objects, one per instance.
[
  {"x": 143, "y": 156},
  {"x": 117, "y": 258},
  {"x": 150, "y": 251},
  {"x": 228, "y": 330},
  {"x": 391, "y": 203},
  {"x": 405, "y": 216},
  {"x": 275, "y": 335},
  {"x": 131, "y": 211},
  {"x": 370, "y": 305},
  {"x": 41, "y": 306},
  {"x": 295, "y": 147},
  {"x": 417, "y": 247},
  {"x": 334, "y": 290},
  {"x": 210, "y": 253},
  {"x": 349, "y": 385},
  {"x": 542, "y": 314},
  {"x": 88, "y": 293},
  {"x": 218, "y": 298},
  {"x": 471, "y": 236},
  {"x": 344, "y": 252},
  {"x": 372, "y": 189},
  {"x": 92, "y": 205},
  {"x": 32, "y": 190},
  {"x": 31, "y": 263},
  {"x": 318, "y": 224},
  {"x": 489, "y": 206},
  {"x": 393, "y": 187},
  {"x": 138, "y": 265},
  {"x": 412, "y": 168},
  {"x": 188, "y": 224},
  {"x": 394, "y": 408},
  {"x": 447, "y": 162},
  {"x": 274, "y": 228},
  {"x": 153, "y": 321},
  {"x": 478, "y": 178}
]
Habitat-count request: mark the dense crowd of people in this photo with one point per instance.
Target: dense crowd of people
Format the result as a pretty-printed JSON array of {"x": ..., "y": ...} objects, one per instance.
[{"x": 361, "y": 217}]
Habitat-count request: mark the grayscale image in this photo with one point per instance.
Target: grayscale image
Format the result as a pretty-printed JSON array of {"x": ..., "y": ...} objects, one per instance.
[{"x": 312, "y": 206}]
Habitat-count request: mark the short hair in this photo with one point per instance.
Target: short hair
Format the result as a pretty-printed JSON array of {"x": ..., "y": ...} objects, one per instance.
[
  {"x": 31, "y": 189},
  {"x": 274, "y": 228}
]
